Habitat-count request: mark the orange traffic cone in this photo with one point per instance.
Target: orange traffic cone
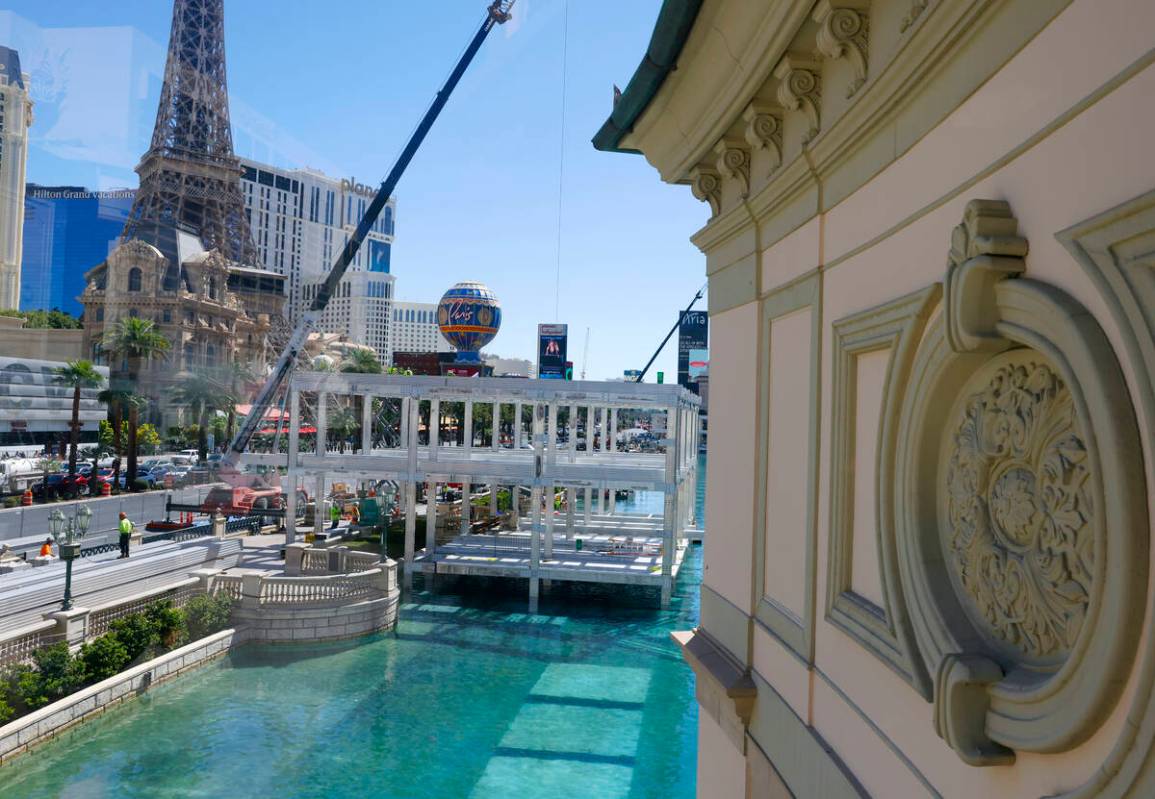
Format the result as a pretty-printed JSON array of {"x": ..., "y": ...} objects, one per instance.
[
  {"x": 26, "y": 499},
  {"x": 106, "y": 489}
]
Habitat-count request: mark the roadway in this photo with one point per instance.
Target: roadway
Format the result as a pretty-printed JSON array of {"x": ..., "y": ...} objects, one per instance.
[{"x": 19, "y": 523}]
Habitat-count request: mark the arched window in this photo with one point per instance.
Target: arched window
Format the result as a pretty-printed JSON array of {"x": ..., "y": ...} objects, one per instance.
[
  {"x": 210, "y": 355},
  {"x": 100, "y": 314},
  {"x": 388, "y": 221},
  {"x": 133, "y": 313},
  {"x": 212, "y": 288},
  {"x": 134, "y": 279},
  {"x": 190, "y": 355}
]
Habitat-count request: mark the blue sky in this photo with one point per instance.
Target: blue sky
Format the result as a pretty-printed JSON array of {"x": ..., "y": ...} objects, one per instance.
[{"x": 339, "y": 86}]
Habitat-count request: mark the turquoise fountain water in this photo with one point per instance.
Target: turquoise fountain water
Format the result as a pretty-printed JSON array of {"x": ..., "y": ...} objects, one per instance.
[{"x": 473, "y": 698}]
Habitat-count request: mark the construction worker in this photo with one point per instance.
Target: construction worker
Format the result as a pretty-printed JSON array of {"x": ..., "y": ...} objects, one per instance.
[
  {"x": 125, "y": 528},
  {"x": 334, "y": 514},
  {"x": 46, "y": 548}
]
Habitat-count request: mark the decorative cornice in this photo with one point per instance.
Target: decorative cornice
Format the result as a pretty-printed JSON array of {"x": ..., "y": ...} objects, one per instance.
[
  {"x": 734, "y": 162},
  {"x": 764, "y": 130},
  {"x": 800, "y": 89},
  {"x": 916, "y": 9},
  {"x": 706, "y": 185},
  {"x": 844, "y": 31}
]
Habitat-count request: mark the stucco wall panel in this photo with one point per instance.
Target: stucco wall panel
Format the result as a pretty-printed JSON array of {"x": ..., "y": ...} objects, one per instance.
[
  {"x": 865, "y": 574},
  {"x": 721, "y": 766},
  {"x": 783, "y": 669},
  {"x": 730, "y": 469},
  {"x": 785, "y": 566},
  {"x": 880, "y": 770},
  {"x": 792, "y": 256},
  {"x": 1084, "y": 47}
]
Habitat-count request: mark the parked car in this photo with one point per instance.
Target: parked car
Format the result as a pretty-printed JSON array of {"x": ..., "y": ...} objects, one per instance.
[{"x": 60, "y": 484}]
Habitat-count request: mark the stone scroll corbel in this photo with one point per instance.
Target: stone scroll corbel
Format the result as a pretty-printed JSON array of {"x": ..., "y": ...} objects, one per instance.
[
  {"x": 961, "y": 702},
  {"x": 985, "y": 249},
  {"x": 706, "y": 185}
]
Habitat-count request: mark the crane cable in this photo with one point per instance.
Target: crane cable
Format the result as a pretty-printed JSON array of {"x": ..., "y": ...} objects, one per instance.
[{"x": 561, "y": 158}]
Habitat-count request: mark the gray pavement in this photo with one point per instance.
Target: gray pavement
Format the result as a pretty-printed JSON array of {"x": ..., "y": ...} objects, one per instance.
[{"x": 141, "y": 508}]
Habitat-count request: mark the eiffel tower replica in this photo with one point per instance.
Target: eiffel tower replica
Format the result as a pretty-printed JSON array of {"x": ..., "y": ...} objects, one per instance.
[
  {"x": 190, "y": 178},
  {"x": 186, "y": 260}
]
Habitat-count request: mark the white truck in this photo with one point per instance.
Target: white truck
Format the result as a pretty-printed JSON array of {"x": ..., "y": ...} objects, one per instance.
[{"x": 18, "y": 474}]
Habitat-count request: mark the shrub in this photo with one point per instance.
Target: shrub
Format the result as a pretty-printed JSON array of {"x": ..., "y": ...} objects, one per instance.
[
  {"x": 6, "y": 710},
  {"x": 140, "y": 484},
  {"x": 103, "y": 658},
  {"x": 136, "y": 633},
  {"x": 206, "y": 615},
  {"x": 56, "y": 674},
  {"x": 168, "y": 623}
]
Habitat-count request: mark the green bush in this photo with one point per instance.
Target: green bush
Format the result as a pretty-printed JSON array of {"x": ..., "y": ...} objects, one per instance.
[
  {"x": 136, "y": 633},
  {"x": 56, "y": 674},
  {"x": 168, "y": 623},
  {"x": 206, "y": 615},
  {"x": 140, "y": 484},
  {"x": 103, "y": 658}
]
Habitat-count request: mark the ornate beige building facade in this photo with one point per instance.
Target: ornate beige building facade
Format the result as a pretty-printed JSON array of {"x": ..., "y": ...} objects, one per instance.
[
  {"x": 212, "y": 311},
  {"x": 932, "y": 230}
]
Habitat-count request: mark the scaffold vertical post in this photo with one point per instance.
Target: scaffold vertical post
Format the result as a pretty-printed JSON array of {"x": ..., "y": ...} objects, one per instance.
[{"x": 322, "y": 422}]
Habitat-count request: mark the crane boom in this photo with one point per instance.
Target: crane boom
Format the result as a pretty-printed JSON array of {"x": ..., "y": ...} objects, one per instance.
[
  {"x": 662, "y": 346},
  {"x": 496, "y": 14}
]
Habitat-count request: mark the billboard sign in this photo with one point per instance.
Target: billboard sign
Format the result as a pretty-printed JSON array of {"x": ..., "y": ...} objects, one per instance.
[
  {"x": 631, "y": 375},
  {"x": 31, "y": 398},
  {"x": 693, "y": 334},
  {"x": 697, "y": 364},
  {"x": 551, "y": 351},
  {"x": 378, "y": 255}
]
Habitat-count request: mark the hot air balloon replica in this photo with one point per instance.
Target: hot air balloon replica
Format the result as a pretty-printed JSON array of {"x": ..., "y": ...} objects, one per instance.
[{"x": 469, "y": 316}]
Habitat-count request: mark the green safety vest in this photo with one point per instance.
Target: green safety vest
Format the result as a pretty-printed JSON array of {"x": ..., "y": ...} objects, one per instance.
[
  {"x": 125, "y": 527},
  {"x": 334, "y": 512}
]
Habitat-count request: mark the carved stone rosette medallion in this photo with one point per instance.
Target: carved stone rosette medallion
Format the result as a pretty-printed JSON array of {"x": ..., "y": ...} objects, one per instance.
[
  {"x": 1018, "y": 510},
  {"x": 1021, "y": 532}
]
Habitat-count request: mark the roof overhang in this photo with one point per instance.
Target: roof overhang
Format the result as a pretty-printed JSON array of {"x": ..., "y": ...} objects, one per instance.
[{"x": 675, "y": 20}]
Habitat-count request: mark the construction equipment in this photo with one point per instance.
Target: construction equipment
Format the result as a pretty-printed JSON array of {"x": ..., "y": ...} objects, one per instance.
[
  {"x": 497, "y": 13},
  {"x": 661, "y": 346}
]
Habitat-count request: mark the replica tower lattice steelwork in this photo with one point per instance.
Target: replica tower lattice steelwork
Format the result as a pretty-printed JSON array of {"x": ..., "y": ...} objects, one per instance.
[{"x": 190, "y": 178}]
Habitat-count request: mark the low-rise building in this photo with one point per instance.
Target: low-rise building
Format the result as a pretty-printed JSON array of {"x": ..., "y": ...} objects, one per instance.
[{"x": 415, "y": 328}]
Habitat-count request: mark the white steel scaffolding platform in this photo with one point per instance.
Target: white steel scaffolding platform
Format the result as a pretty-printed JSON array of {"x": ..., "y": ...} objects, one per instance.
[{"x": 566, "y": 441}]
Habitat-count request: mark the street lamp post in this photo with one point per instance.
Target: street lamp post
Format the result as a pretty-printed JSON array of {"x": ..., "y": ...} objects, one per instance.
[
  {"x": 68, "y": 532},
  {"x": 384, "y": 507}
]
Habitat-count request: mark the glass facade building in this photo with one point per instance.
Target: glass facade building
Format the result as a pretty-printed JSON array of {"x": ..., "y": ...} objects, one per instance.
[{"x": 67, "y": 231}]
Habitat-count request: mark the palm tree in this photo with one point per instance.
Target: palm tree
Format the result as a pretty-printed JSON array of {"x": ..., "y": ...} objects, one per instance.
[
  {"x": 133, "y": 341},
  {"x": 203, "y": 394},
  {"x": 343, "y": 424},
  {"x": 362, "y": 361},
  {"x": 359, "y": 361},
  {"x": 77, "y": 375},
  {"x": 117, "y": 402},
  {"x": 238, "y": 374}
]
